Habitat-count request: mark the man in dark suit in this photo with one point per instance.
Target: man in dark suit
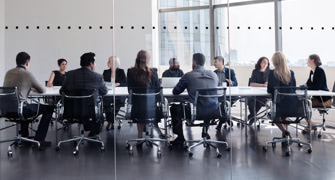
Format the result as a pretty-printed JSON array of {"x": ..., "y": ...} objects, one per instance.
[{"x": 85, "y": 78}]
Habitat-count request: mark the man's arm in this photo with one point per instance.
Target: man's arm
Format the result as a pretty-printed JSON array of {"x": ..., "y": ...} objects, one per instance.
[
  {"x": 181, "y": 86},
  {"x": 36, "y": 85},
  {"x": 103, "y": 90}
]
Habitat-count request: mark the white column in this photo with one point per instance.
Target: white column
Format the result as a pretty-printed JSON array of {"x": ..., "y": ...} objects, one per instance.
[{"x": 2, "y": 41}]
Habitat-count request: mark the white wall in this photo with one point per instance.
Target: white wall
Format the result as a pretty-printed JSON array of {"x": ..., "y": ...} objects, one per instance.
[
  {"x": 46, "y": 46},
  {"x": 2, "y": 41}
]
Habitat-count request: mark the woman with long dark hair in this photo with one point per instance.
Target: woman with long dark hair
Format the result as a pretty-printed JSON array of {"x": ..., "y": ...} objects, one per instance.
[
  {"x": 259, "y": 78},
  {"x": 142, "y": 76}
]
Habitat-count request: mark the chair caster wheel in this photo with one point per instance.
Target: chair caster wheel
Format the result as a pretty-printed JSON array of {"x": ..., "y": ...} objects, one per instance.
[
  {"x": 10, "y": 154},
  {"x": 75, "y": 153},
  {"x": 238, "y": 124},
  {"x": 287, "y": 153},
  {"x": 273, "y": 145},
  {"x": 102, "y": 148},
  {"x": 228, "y": 149},
  {"x": 219, "y": 155},
  {"x": 225, "y": 126},
  {"x": 258, "y": 126},
  {"x": 299, "y": 144},
  {"x": 309, "y": 151},
  {"x": 319, "y": 136},
  {"x": 118, "y": 127},
  {"x": 57, "y": 148},
  {"x": 128, "y": 146},
  {"x": 190, "y": 154},
  {"x": 265, "y": 149}
]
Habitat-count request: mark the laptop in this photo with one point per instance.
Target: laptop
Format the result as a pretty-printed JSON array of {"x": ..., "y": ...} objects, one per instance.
[{"x": 170, "y": 82}]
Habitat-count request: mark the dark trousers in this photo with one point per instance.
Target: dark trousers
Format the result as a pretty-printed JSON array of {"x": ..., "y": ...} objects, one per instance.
[
  {"x": 177, "y": 115},
  {"x": 30, "y": 110},
  {"x": 108, "y": 107},
  {"x": 255, "y": 107}
]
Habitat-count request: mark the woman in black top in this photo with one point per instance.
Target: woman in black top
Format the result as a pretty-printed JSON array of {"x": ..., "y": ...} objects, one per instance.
[
  {"x": 317, "y": 81},
  {"x": 259, "y": 78},
  {"x": 57, "y": 77},
  {"x": 281, "y": 76},
  {"x": 118, "y": 79},
  {"x": 142, "y": 76}
]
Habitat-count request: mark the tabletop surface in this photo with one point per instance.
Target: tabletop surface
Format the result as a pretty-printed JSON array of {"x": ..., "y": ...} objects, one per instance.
[{"x": 233, "y": 91}]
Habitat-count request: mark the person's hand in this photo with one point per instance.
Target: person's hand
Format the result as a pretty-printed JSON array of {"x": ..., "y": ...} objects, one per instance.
[
  {"x": 49, "y": 84},
  {"x": 117, "y": 84},
  {"x": 230, "y": 82},
  {"x": 266, "y": 84}
]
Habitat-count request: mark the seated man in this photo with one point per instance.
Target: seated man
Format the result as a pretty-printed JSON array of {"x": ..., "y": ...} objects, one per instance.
[
  {"x": 174, "y": 70},
  {"x": 225, "y": 75},
  {"x": 223, "y": 72},
  {"x": 24, "y": 80},
  {"x": 196, "y": 79},
  {"x": 85, "y": 78}
]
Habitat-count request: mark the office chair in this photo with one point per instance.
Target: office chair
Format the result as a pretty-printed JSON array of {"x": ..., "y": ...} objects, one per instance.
[
  {"x": 288, "y": 103},
  {"x": 206, "y": 107},
  {"x": 82, "y": 107},
  {"x": 323, "y": 111},
  {"x": 12, "y": 109},
  {"x": 155, "y": 109}
]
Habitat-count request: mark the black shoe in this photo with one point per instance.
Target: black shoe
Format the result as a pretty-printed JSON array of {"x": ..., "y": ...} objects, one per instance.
[
  {"x": 110, "y": 126},
  {"x": 206, "y": 135},
  {"x": 178, "y": 142},
  {"x": 92, "y": 134}
]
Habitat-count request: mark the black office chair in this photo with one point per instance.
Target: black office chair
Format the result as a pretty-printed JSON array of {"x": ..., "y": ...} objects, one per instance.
[
  {"x": 287, "y": 102},
  {"x": 82, "y": 107},
  {"x": 155, "y": 109},
  {"x": 12, "y": 109},
  {"x": 203, "y": 111}
]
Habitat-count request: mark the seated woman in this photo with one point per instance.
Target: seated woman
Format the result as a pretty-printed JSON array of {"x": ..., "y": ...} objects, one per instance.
[
  {"x": 281, "y": 76},
  {"x": 57, "y": 77},
  {"x": 317, "y": 81},
  {"x": 142, "y": 76},
  {"x": 116, "y": 76},
  {"x": 259, "y": 78}
]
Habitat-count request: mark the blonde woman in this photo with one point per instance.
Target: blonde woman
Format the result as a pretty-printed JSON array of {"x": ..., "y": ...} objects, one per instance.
[
  {"x": 117, "y": 76},
  {"x": 280, "y": 76}
]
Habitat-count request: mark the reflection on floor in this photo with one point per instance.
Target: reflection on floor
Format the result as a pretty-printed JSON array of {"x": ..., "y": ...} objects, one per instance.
[{"x": 245, "y": 161}]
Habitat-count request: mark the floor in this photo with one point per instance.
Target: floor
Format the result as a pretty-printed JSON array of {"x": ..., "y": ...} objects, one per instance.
[{"x": 246, "y": 160}]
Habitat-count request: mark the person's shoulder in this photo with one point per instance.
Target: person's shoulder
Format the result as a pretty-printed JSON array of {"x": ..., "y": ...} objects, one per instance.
[
  {"x": 319, "y": 69},
  {"x": 119, "y": 70}
]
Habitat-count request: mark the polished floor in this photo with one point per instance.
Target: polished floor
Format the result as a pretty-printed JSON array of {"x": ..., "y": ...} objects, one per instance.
[{"x": 246, "y": 160}]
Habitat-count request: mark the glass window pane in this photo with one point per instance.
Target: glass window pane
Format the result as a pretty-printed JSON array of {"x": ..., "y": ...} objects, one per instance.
[
  {"x": 251, "y": 33},
  {"x": 302, "y": 30},
  {"x": 184, "y": 33},
  {"x": 182, "y": 3},
  {"x": 230, "y": 1}
]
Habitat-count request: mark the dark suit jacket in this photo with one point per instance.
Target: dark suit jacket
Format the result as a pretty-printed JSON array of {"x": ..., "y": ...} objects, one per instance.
[
  {"x": 319, "y": 82},
  {"x": 287, "y": 106},
  {"x": 84, "y": 79},
  {"x": 232, "y": 78},
  {"x": 120, "y": 76},
  {"x": 274, "y": 82},
  {"x": 143, "y": 106}
]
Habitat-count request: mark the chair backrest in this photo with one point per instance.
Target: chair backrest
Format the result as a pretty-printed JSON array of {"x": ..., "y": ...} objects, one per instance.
[
  {"x": 145, "y": 103},
  {"x": 291, "y": 102},
  {"x": 207, "y": 103},
  {"x": 9, "y": 102},
  {"x": 80, "y": 104},
  {"x": 249, "y": 82}
]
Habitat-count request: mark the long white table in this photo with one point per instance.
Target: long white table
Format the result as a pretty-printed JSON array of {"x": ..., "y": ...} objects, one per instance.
[
  {"x": 243, "y": 91},
  {"x": 240, "y": 91}
]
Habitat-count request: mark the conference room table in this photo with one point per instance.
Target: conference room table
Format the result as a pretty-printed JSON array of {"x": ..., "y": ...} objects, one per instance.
[{"x": 245, "y": 92}]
